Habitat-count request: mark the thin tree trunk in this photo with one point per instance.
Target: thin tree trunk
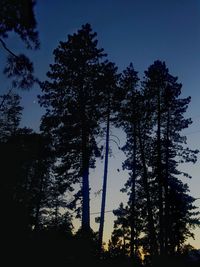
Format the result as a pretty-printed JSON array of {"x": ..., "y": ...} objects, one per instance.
[
  {"x": 159, "y": 178},
  {"x": 85, "y": 190},
  {"x": 103, "y": 202},
  {"x": 166, "y": 184},
  {"x": 132, "y": 243},
  {"x": 85, "y": 174}
]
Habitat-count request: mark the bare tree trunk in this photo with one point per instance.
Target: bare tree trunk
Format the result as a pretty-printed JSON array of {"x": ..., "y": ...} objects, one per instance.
[
  {"x": 85, "y": 188},
  {"x": 103, "y": 202},
  {"x": 85, "y": 174}
]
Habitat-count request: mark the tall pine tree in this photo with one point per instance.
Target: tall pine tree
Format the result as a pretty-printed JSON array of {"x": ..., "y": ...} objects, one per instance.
[
  {"x": 72, "y": 100},
  {"x": 163, "y": 93}
]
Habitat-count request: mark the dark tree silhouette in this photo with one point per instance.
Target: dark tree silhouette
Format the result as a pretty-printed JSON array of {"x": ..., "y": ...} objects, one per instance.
[
  {"x": 120, "y": 239},
  {"x": 160, "y": 211},
  {"x": 163, "y": 93},
  {"x": 109, "y": 107},
  {"x": 135, "y": 120},
  {"x": 19, "y": 17},
  {"x": 129, "y": 82},
  {"x": 72, "y": 100},
  {"x": 10, "y": 115}
]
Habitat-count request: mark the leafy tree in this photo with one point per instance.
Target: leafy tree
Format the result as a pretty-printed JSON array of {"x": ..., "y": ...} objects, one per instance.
[
  {"x": 135, "y": 120},
  {"x": 160, "y": 212},
  {"x": 23, "y": 166},
  {"x": 120, "y": 244},
  {"x": 110, "y": 91},
  {"x": 18, "y": 17},
  {"x": 129, "y": 82},
  {"x": 163, "y": 91},
  {"x": 10, "y": 115},
  {"x": 72, "y": 100},
  {"x": 121, "y": 232},
  {"x": 25, "y": 181}
]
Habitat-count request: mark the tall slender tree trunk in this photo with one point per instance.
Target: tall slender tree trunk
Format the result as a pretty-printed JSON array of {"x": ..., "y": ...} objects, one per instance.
[
  {"x": 85, "y": 175},
  {"x": 132, "y": 242},
  {"x": 166, "y": 185},
  {"x": 159, "y": 178},
  {"x": 85, "y": 190},
  {"x": 103, "y": 201},
  {"x": 151, "y": 228}
]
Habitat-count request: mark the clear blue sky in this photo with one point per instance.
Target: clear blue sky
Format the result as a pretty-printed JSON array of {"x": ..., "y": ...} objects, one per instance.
[{"x": 140, "y": 31}]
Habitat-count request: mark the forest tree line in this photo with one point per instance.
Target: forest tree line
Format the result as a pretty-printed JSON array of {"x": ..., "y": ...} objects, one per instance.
[{"x": 85, "y": 95}]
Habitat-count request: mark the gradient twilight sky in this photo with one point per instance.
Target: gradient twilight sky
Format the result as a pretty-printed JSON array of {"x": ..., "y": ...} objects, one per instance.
[{"x": 138, "y": 31}]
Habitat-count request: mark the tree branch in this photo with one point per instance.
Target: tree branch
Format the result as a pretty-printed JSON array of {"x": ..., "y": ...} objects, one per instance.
[{"x": 7, "y": 49}]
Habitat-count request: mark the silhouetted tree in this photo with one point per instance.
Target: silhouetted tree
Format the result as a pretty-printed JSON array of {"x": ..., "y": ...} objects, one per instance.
[
  {"x": 135, "y": 120},
  {"x": 109, "y": 106},
  {"x": 159, "y": 201},
  {"x": 25, "y": 167},
  {"x": 72, "y": 116},
  {"x": 162, "y": 91},
  {"x": 120, "y": 238},
  {"x": 129, "y": 119},
  {"x": 10, "y": 115},
  {"x": 18, "y": 17}
]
